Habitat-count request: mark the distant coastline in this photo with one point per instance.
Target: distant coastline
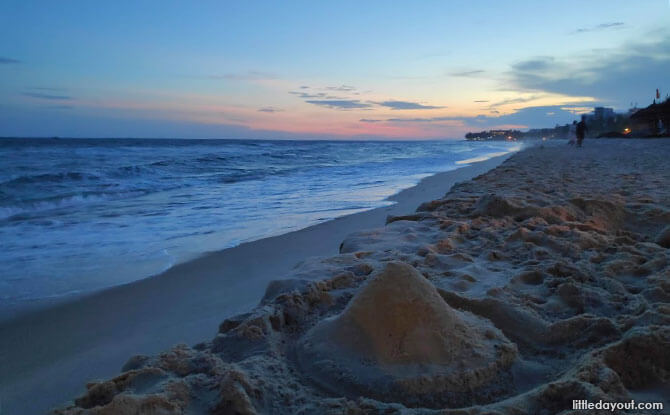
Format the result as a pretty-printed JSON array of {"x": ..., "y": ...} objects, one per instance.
[{"x": 649, "y": 122}]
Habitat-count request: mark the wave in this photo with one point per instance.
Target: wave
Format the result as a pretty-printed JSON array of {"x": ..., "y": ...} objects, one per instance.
[
  {"x": 74, "y": 176},
  {"x": 167, "y": 195},
  {"x": 485, "y": 157},
  {"x": 136, "y": 170},
  {"x": 33, "y": 207},
  {"x": 241, "y": 177},
  {"x": 213, "y": 158}
]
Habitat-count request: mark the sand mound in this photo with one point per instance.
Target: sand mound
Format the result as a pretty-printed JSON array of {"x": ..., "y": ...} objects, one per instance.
[
  {"x": 399, "y": 340},
  {"x": 497, "y": 207},
  {"x": 648, "y": 348}
]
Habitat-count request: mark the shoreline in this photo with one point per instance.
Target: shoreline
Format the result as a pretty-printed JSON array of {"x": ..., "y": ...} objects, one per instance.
[
  {"x": 16, "y": 308},
  {"x": 21, "y": 303},
  {"x": 58, "y": 338}
]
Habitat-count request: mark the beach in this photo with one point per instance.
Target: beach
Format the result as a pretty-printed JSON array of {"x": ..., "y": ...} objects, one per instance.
[
  {"x": 73, "y": 341},
  {"x": 540, "y": 283},
  {"x": 329, "y": 208}
]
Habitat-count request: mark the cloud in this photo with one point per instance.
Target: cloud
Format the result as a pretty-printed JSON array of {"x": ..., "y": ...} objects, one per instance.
[
  {"x": 345, "y": 97},
  {"x": 481, "y": 100},
  {"x": 39, "y": 95},
  {"x": 425, "y": 120},
  {"x": 406, "y": 105},
  {"x": 8, "y": 61},
  {"x": 508, "y": 101},
  {"x": 540, "y": 63},
  {"x": 21, "y": 123},
  {"x": 245, "y": 76},
  {"x": 578, "y": 110},
  {"x": 324, "y": 97},
  {"x": 340, "y": 104},
  {"x": 324, "y": 92},
  {"x": 368, "y": 120},
  {"x": 602, "y": 26},
  {"x": 616, "y": 76},
  {"x": 310, "y": 95},
  {"x": 341, "y": 88},
  {"x": 468, "y": 73},
  {"x": 270, "y": 109},
  {"x": 532, "y": 117}
]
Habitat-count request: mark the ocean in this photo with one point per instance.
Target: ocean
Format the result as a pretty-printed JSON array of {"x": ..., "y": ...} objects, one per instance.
[{"x": 82, "y": 214}]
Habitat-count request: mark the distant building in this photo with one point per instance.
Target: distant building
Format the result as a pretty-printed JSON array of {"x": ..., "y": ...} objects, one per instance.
[
  {"x": 494, "y": 135},
  {"x": 603, "y": 113},
  {"x": 652, "y": 121},
  {"x": 603, "y": 121}
]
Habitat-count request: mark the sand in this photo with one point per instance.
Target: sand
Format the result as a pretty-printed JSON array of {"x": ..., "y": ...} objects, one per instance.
[
  {"x": 397, "y": 337},
  {"x": 543, "y": 281},
  {"x": 49, "y": 350}
]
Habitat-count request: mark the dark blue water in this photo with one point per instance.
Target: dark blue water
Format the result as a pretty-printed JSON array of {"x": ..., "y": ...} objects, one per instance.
[{"x": 78, "y": 215}]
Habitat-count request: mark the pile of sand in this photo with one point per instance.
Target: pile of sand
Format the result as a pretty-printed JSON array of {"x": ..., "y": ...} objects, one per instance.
[{"x": 398, "y": 340}]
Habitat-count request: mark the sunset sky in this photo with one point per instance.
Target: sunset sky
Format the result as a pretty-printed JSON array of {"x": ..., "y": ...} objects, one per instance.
[{"x": 316, "y": 69}]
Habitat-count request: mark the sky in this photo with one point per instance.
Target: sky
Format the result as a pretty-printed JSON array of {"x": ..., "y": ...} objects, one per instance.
[{"x": 323, "y": 69}]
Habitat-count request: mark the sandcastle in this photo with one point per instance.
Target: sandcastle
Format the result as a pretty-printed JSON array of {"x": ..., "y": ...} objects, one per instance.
[{"x": 398, "y": 340}]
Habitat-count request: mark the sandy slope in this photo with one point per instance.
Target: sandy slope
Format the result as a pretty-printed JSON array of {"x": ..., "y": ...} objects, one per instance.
[
  {"x": 544, "y": 281},
  {"x": 48, "y": 354}
]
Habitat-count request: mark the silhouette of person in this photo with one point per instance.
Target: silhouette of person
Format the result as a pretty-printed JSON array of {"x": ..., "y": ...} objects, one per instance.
[
  {"x": 572, "y": 133},
  {"x": 581, "y": 131}
]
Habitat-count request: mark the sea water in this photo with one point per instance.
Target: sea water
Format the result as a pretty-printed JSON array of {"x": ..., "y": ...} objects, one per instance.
[{"x": 83, "y": 214}]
